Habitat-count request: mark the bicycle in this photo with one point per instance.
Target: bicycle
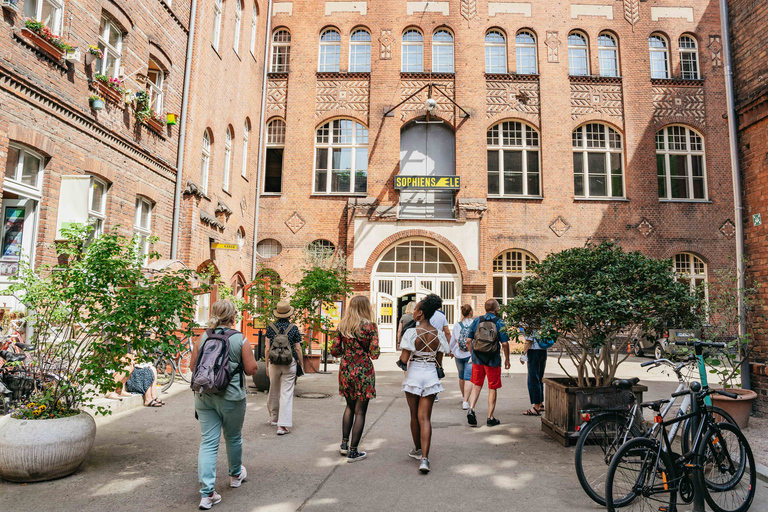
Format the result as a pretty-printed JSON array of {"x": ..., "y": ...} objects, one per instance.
[
  {"x": 168, "y": 367},
  {"x": 646, "y": 474}
]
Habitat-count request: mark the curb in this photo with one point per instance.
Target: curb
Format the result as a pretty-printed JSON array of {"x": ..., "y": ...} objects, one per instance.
[{"x": 762, "y": 472}]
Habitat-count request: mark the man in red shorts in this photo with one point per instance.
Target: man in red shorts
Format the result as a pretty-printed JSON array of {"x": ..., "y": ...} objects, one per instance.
[{"x": 485, "y": 338}]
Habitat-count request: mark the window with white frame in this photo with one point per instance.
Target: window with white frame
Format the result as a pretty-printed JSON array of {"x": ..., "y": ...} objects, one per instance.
[
  {"x": 442, "y": 52},
  {"x": 689, "y": 58},
  {"x": 97, "y": 205},
  {"x": 23, "y": 170},
  {"x": 273, "y": 170},
  {"x": 525, "y": 53},
  {"x": 341, "y": 158},
  {"x": 578, "y": 54},
  {"x": 202, "y": 308},
  {"x": 217, "y": 8},
  {"x": 49, "y": 12},
  {"x": 246, "y": 133},
  {"x": 495, "y": 52},
  {"x": 111, "y": 45},
  {"x": 238, "y": 26},
  {"x": 206, "y": 163},
  {"x": 254, "y": 28},
  {"x": 509, "y": 268},
  {"x": 691, "y": 270},
  {"x": 227, "y": 159},
  {"x": 240, "y": 238},
  {"x": 608, "y": 54},
  {"x": 321, "y": 248},
  {"x": 155, "y": 77},
  {"x": 360, "y": 51},
  {"x": 281, "y": 51},
  {"x": 513, "y": 160},
  {"x": 330, "y": 51},
  {"x": 268, "y": 248},
  {"x": 680, "y": 164},
  {"x": 657, "y": 45},
  {"x": 142, "y": 226},
  {"x": 598, "y": 169},
  {"x": 412, "y": 52}
]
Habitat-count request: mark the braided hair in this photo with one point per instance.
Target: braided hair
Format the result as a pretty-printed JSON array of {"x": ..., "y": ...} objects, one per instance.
[{"x": 430, "y": 304}]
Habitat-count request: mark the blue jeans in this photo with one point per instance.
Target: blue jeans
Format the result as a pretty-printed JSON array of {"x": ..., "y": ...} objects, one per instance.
[
  {"x": 216, "y": 414},
  {"x": 537, "y": 362},
  {"x": 465, "y": 368}
]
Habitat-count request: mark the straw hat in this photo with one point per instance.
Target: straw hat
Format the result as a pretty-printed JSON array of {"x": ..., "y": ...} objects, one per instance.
[{"x": 283, "y": 310}]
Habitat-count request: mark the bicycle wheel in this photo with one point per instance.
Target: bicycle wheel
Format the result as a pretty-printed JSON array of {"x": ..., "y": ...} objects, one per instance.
[
  {"x": 183, "y": 365},
  {"x": 598, "y": 442},
  {"x": 641, "y": 478},
  {"x": 165, "y": 372},
  {"x": 727, "y": 459},
  {"x": 718, "y": 415}
]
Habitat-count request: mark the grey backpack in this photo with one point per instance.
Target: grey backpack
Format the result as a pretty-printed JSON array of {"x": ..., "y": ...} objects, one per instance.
[
  {"x": 211, "y": 373},
  {"x": 280, "y": 349},
  {"x": 487, "y": 337}
]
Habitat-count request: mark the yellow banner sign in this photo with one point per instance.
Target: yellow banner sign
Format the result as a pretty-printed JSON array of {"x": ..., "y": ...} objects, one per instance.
[
  {"x": 224, "y": 247},
  {"x": 386, "y": 311},
  {"x": 428, "y": 182}
]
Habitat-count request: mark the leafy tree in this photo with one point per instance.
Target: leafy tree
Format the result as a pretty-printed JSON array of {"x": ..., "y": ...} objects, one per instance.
[
  {"x": 593, "y": 300},
  {"x": 319, "y": 286}
]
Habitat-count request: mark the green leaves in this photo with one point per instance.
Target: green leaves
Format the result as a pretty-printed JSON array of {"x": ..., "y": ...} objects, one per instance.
[{"x": 319, "y": 285}]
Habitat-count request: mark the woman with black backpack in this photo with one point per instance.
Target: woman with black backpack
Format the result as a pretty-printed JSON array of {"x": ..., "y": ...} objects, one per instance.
[
  {"x": 220, "y": 397},
  {"x": 460, "y": 351},
  {"x": 284, "y": 365}
]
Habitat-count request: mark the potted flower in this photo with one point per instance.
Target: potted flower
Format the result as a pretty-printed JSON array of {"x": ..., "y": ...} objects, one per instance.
[
  {"x": 45, "y": 39},
  {"x": 145, "y": 114},
  {"x": 593, "y": 300},
  {"x": 111, "y": 88},
  {"x": 93, "y": 53},
  {"x": 97, "y": 102},
  {"x": 85, "y": 314},
  {"x": 11, "y": 5}
]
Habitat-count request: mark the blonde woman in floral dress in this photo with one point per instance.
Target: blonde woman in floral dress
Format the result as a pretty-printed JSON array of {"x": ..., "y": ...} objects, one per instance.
[{"x": 357, "y": 344}]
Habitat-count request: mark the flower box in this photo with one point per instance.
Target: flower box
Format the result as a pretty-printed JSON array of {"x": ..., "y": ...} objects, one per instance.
[
  {"x": 11, "y": 5},
  {"x": 154, "y": 125},
  {"x": 109, "y": 92},
  {"x": 44, "y": 45}
]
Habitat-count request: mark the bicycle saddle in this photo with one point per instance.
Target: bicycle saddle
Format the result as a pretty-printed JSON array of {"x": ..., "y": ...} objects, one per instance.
[
  {"x": 655, "y": 404},
  {"x": 626, "y": 383},
  {"x": 11, "y": 356},
  {"x": 26, "y": 347}
]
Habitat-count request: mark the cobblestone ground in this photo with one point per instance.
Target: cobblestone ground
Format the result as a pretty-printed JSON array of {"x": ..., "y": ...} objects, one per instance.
[{"x": 146, "y": 459}]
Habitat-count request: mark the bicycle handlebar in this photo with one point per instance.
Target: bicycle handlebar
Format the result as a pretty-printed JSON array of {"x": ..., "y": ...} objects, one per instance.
[
  {"x": 709, "y": 344},
  {"x": 680, "y": 393},
  {"x": 727, "y": 393}
]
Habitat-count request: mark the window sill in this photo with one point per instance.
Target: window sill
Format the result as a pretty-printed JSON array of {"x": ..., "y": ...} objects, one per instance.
[
  {"x": 365, "y": 75},
  {"x": 595, "y": 79},
  {"x": 246, "y": 179},
  {"x": 702, "y": 201},
  {"x": 237, "y": 55},
  {"x": 677, "y": 81},
  {"x": 272, "y": 194},
  {"x": 339, "y": 194},
  {"x": 226, "y": 192},
  {"x": 513, "y": 77},
  {"x": 602, "y": 199},
  {"x": 216, "y": 52},
  {"x": 533, "y": 198}
]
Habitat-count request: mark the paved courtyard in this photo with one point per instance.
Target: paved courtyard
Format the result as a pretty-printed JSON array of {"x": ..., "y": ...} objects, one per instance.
[{"x": 146, "y": 459}]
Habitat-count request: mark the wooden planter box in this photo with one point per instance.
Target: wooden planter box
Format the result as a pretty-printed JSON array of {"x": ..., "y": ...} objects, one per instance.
[
  {"x": 44, "y": 45},
  {"x": 154, "y": 125},
  {"x": 564, "y": 402},
  {"x": 311, "y": 363},
  {"x": 108, "y": 92}
]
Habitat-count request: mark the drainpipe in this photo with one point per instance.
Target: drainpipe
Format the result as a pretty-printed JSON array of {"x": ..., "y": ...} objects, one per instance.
[
  {"x": 259, "y": 167},
  {"x": 736, "y": 175},
  {"x": 183, "y": 132}
]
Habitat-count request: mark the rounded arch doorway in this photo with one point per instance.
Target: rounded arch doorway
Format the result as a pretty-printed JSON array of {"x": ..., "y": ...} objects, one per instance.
[{"x": 408, "y": 271}]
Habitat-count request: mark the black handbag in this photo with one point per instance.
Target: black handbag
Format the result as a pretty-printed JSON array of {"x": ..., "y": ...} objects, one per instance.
[{"x": 440, "y": 370}]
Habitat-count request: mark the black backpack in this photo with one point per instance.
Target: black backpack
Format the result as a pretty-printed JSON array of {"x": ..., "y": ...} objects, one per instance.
[{"x": 211, "y": 373}]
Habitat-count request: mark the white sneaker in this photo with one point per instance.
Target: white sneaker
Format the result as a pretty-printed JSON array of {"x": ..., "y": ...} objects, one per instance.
[
  {"x": 465, "y": 406},
  {"x": 208, "y": 501},
  {"x": 437, "y": 398},
  {"x": 424, "y": 467},
  {"x": 235, "y": 481},
  {"x": 416, "y": 454}
]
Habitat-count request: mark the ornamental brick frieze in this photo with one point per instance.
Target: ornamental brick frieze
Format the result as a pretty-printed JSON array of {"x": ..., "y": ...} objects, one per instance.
[
  {"x": 589, "y": 98},
  {"x": 468, "y": 9},
  {"x": 277, "y": 94},
  {"x": 716, "y": 50},
  {"x": 342, "y": 93},
  {"x": 678, "y": 104},
  {"x": 504, "y": 95},
  {"x": 414, "y": 107},
  {"x": 553, "y": 46},
  {"x": 385, "y": 43},
  {"x": 632, "y": 12}
]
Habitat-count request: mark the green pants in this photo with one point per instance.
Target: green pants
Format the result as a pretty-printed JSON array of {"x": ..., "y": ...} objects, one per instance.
[{"x": 214, "y": 414}]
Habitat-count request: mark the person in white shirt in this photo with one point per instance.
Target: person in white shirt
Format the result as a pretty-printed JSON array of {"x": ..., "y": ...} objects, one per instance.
[
  {"x": 439, "y": 322},
  {"x": 460, "y": 351}
]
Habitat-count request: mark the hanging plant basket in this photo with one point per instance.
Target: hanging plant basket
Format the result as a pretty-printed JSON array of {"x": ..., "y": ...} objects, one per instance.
[{"x": 97, "y": 104}]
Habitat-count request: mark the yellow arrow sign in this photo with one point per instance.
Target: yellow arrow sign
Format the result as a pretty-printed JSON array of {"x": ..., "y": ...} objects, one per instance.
[{"x": 224, "y": 247}]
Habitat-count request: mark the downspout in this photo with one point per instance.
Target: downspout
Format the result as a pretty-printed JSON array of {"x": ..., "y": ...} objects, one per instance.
[
  {"x": 183, "y": 132},
  {"x": 736, "y": 175},
  {"x": 267, "y": 40}
]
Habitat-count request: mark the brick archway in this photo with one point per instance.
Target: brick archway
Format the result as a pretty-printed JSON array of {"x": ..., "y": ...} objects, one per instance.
[{"x": 411, "y": 233}]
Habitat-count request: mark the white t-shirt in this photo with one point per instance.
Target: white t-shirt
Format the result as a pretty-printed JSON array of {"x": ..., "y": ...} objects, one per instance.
[
  {"x": 455, "y": 349},
  {"x": 438, "y": 321}
]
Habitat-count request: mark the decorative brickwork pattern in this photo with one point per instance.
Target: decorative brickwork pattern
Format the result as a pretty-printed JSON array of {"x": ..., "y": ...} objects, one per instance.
[
  {"x": 716, "y": 50},
  {"x": 594, "y": 98},
  {"x": 511, "y": 96},
  {"x": 645, "y": 227},
  {"x": 295, "y": 222},
  {"x": 386, "y": 40},
  {"x": 468, "y": 9},
  {"x": 277, "y": 94},
  {"x": 632, "y": 12},
  {"x": 559, "y": 226},
  {"x": 342, "y": 95},
  {"x": 414, "y": 107},
  {"x": 679, "y": 104},
  {"x": 728, "y": 229},
  {"x": 553, "y": 46}
]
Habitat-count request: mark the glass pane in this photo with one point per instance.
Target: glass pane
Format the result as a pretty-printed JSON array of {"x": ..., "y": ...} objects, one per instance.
[
  {"x": 512, "y": 286},
  {"x": 143, "y": 215},
  {"x": 386, "y": 267},
  {"x": 97, "y": 202},
  {"x": 361, "y": 159},
  {"x": 48, "y": 15},
  {"x": 361, "y": 182},
  {"x": 513, "y": 172},
  {"x": 615, "y": 163},
  {"x": 322, "y": 159},
  {"x": 114, "y": 37},
  {"x": 430, "y": 254},
  {"x": 14, "y": 229},
  {"x": 402, "y": 254},
  {"x": 401, "y": 267},
  {"x": 493, "y": 183},
  {"x": 698, "y": 188},
  {"x": 30, "y": 170},
  {"x": 533, "y": 184},
  {"x": 533, "y": 161},
  {"x": 430, "y": 268},
  {"x": 662, "y": 187},
  {"x": 596, "y": 163},
  {"x": 321, "y": 181},
  {"x": 679, "y": 188},
  {"x": 342, "y": 159},
  {"x": 513, "y": 183},
  {"x": 30, "y": 9},
  {"x": 597, "y": 186},
  {"x": 273, "y": 170},
  {"x": 617, "y": 187},
  {"x": 11, "y": 163},
  {"x": 417, "y": 254},
  {"x": 417, "y": 267},
  {"x": 498, "y": 288},
  {"x": 447, "y": 268},
  {"x": 340, "y": 181},
  {"x": 679, "y": 165}
]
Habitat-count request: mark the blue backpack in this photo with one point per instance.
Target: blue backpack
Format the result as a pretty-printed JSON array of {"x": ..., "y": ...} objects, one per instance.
[{"x": 545, "y": 344}]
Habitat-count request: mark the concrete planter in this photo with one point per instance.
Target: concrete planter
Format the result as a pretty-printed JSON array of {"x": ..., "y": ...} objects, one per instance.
[
  {"x": 739, "y": 408},
  {"x": 260, "y": 379},
  {"x": 38, "y": 450}
]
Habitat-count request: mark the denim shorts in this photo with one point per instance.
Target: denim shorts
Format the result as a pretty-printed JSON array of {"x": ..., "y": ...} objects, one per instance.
[{"x": 465, "y": 368}]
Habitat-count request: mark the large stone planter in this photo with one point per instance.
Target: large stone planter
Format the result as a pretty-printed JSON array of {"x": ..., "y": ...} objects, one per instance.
[
  {"x": 260, "y": 379},
  {"x": 739, "y": 408},
  {"x": 37, "y": 450}
]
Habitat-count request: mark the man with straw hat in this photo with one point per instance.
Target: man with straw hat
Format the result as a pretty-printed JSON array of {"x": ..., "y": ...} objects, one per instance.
[{"x": 284, "y": 360}]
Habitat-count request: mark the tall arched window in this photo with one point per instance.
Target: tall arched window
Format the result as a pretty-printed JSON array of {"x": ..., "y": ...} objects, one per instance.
[
  {"x": 412, "y": 52},
  {"x": 509, "y": 268},
  {"x": 578, "y": 54},
  {"x": 206, "y": 163},
  {"x": 155, "y": 77},
  {"x": 281, "y": 51},
  {"x": 657, "y": 45},
  {"x": 246, "y": 134},
  {"x": 689, "y": 58},
  {"x": 513, "y": 160},
  {"x": 608, "y": 54},
  {"x": 273, "y": 170},
  {"x": 680, "y": 164},
  {"x": 238, "y": 26},
  {"x": 525, "y": 53},
  {"x": 227, "y": 158},
  {"x": 598, "y": 170},
  {"x": 111, "y": 45},
  {"x": 330, "y": 51},
  {"x": 360, "y": 51},
  {"x": 254, "y": 27},
  {"x": 341, "y": 151},
  {"x": 495, "y": 52},
  {"x": 442, "y": 52},
  {"x": 691, "y": 270},
  {"x": 217, "y": 8}
]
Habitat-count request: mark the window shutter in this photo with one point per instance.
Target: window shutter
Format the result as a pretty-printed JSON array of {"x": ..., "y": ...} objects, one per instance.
[{"x": 73, "y": 202}]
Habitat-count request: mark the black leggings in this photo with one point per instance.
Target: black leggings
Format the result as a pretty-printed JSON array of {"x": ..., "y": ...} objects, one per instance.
[{"x": 353, "y": 421}]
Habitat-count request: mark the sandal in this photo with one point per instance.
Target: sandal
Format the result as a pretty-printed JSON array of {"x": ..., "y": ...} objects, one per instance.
[
  {"x": 153, "y": 403},
  {"x": 531, "y": 412}
]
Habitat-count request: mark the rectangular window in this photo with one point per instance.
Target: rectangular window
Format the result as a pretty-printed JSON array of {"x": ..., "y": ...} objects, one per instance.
[
  {"x": 142, "y": 223},
  {"x": 493, "y": 172},
  {"x": 495, "y": 59},
  {"x": 23, "y": 168},
  {"x": 280, "y": 57},
  {"x": 273, "y": 174},
  {"x": 513, "y": 172},
  {"x": 413, "y": 58},
  {"x": 254, "y": 27},
  {"x": 97, "y": 205},
  {"x": 155, "y": 78},
  {"x": 442, "y": 58},
  {"x": 659, "y": 67},
  {"x": 111, "y": 45},
  {"x": 609, "y": 63},
  {"x": 330, "y": 55},
  {"x": 49, "y": 12},
  {"x": 689, "y": 65},
  {"x": 526, "y": 60},
  {"x": 360, "y": 58},
  {"x": 577, "y": 62},
  {"x": 216, "y": 24}
]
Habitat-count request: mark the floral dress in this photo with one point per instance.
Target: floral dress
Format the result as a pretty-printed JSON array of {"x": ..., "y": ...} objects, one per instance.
[{"x": 357, "y": 380}]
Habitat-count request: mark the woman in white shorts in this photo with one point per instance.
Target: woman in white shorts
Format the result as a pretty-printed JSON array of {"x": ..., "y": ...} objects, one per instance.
[{"x": 422, "y": 348}]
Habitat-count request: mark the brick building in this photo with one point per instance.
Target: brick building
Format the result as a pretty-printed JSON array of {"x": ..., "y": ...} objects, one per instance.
[
  {"x": 564, "y": 122},
  {"x": 749, "y": 41}
]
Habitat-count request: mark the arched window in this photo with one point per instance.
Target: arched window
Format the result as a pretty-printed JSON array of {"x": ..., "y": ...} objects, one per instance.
[
  {"x": 691, "y": 270},
  {"x": 254, "y": 28},
  {"x": 525, "y": 53},
  {"x": 341, "y": 150},
  {"x": 238, "y": 26},
  {"x": 680, "y": 164},
  {"x": 246, "y": 133},
  {"x": 689, "y": 58},
  {"x": 657, "y": 45},
  {"x": 227, "y": 158},
  {"x": 417, "y": 257},
  {"x": 155, "y": 77},
  {"x": 142, "y": 225},
  {"x": 608, "y": 54},
  {"x": 240, "y": 238},
  {"x": 281, "y": 51},
  {"x": 273, "y": 170},
  {"x": 111, "y": 45},
  {"x": 598, "y": 170},
  {"x": 495, "y": 52},
  {"x": 509, "y": 268},
  {"x": 206, "y": 163},
  {"x": 442, "y": 52},
  {"x": 578, "y": 54},
  {"x": 217, "y": 8},
  {"x": 360, "y": 51},
  {"x": 412, "y": 52},
  {"x": 330, "y": 51},
  {"x": 97, "y": 205},
  {"x": 268, "y": 248},
  {"x": 513, "y": 160}
]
